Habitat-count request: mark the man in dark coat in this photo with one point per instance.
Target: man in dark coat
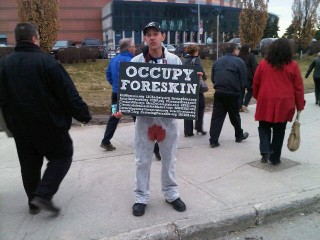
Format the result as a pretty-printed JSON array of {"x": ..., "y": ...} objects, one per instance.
[
  {"x": 229, "y": 76},
  {"x": 39, "y": 99}
]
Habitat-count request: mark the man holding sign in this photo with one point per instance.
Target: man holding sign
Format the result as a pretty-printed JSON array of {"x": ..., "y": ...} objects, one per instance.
[{"x": 149, "y": 130}]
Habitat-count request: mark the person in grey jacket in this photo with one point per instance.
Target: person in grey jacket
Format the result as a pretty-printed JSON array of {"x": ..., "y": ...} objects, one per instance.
[
  {"x": 229, "y": 76},
  {"x": 144, "y": 144},
  {"x": 316, "y": 76}
]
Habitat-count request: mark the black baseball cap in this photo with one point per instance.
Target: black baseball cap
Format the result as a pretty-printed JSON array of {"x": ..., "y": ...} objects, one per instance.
[{"x": 152, "y": 25}]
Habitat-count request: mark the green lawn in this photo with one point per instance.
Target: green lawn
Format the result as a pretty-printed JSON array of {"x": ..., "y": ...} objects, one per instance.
[{"x": 90, "y": 81}]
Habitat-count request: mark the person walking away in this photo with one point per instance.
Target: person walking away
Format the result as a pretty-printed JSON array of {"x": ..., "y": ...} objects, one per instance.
[
  {"x": 251, "y": 64},
  {"x": 39, "y": 99},
  {"x": 229, "y": 76},
  {"x": 127, "y": 51},
  {"x": 192, "y": 58},
  {"x": 316, "y": 77},
  {"x": 155, "y": 53},
  {"x": 278, "y": 89}
]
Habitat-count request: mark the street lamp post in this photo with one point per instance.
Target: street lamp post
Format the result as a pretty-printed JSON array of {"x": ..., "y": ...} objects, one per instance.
[
  {"x": 199, "y": 24},
  {"x": 217, "y": 12}
]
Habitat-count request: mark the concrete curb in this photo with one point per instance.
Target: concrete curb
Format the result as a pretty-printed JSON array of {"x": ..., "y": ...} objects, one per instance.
[
  {"x": 217, "y": 224},
  {"x": 308, "y": 201}
]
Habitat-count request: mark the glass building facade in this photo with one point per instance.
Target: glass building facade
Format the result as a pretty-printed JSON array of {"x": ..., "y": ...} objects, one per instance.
[{"x": 179, "y": 20}]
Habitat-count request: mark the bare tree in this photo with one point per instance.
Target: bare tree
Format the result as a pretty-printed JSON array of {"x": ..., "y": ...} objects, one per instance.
[
  {"x": 253, "y": 21},
  {"x": 304, "y": 21},
  {"x": 45, "y": 15}
]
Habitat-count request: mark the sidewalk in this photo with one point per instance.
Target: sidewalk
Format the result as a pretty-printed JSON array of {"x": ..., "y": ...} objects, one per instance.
[{"x": 225, "y": 188}]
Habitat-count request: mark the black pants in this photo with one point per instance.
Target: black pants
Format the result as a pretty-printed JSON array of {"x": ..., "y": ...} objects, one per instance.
[
  {"x": 317, "y": 89},
  {"x": 112, "y": 122},
  {"x": 271, "y": 142},
  {"x": 188, "y": 124},
  {"x": 248, "y": 95},
  {"x": 58, "y": 150},
  {"x": 222, "y": 105}
]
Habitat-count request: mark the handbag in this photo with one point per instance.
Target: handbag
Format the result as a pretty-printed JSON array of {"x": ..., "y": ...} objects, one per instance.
[
  {"x": 203, "y": 87},
  {"x": 294, "y": 137}
]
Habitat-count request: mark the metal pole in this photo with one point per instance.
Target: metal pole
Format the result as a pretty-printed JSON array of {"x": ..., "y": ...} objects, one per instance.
[
  {"x": 198, "y": 23},
  {"x": 218, "y": 34}
]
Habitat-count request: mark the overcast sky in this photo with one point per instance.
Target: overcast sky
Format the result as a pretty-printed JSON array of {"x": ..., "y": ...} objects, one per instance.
[{"x": 282, "y": 8}]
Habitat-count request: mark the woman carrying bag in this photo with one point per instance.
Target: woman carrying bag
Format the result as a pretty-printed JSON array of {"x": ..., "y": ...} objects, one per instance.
[
  {"x": 191, "y": 58},
  {"x": 278, "y": 88}
]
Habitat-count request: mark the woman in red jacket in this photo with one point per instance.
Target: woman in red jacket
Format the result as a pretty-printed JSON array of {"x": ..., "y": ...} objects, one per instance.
[{"x": 278, "y": 88}]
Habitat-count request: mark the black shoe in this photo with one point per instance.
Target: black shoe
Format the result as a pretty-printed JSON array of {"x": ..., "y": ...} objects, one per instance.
[
  {"x": 45, "y": 204},
  {"x": 189, "y": 135},
  {"x": 265, "y": 157},
  {"x": 33, "y": 209},
  {"x": 213, "y": 145},
  {"x": 202, "y": 132},
  {"x": 108, "y": 146},
  {"x": 244, "y": 137},
  {"x": 178, "y": 205},
  {"x": 158, "y": 157},
  {"x": 138, "y": 209},
  {"x": 275, "y": 162}
]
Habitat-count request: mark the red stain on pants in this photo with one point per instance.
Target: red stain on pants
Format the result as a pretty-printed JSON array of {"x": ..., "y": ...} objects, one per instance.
[{"x": 156, "y": 133}]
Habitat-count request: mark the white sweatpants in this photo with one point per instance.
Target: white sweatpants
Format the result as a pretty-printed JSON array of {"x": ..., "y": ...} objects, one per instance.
[{"x": 144, "y": 153}]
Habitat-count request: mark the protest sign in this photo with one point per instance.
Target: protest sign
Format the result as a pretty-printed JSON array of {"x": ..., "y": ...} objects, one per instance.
[{"x": 158, "y": 90}]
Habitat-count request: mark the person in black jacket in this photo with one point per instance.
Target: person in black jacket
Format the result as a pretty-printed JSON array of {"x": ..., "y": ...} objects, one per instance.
[
  {"x": 251, "y": 64},
  {"x": 316, "y": 77},
  {"x": 191, "y": 58},
  {"x": 38, "y": 100},
  {"x": 229, "y": 76}
]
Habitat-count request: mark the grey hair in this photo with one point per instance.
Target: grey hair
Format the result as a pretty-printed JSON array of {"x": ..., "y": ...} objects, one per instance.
[{"x": 124, "y": 44}]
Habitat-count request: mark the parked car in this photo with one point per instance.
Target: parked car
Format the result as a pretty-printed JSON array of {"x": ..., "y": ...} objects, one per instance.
[
  {"x": 94, "y": 43},
  {"x": 5, "y": 49},
  {"x": 111, "y": 50},
  {"x": 61, "y": 44},
  {"x": 170, "y": 47},
  {"x": 264, "y": 43},
  {"x": 236, "y": 41}
]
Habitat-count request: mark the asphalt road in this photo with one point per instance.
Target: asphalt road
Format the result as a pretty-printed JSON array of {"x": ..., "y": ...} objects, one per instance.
[{"x": 303, "y": 226}]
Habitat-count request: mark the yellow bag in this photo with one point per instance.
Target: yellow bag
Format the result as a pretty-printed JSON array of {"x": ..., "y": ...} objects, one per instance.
[{"x": 294, "y": 137}]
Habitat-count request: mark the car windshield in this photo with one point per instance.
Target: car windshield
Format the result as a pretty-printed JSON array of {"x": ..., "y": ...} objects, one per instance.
[{"x": 61, "y": 44}]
